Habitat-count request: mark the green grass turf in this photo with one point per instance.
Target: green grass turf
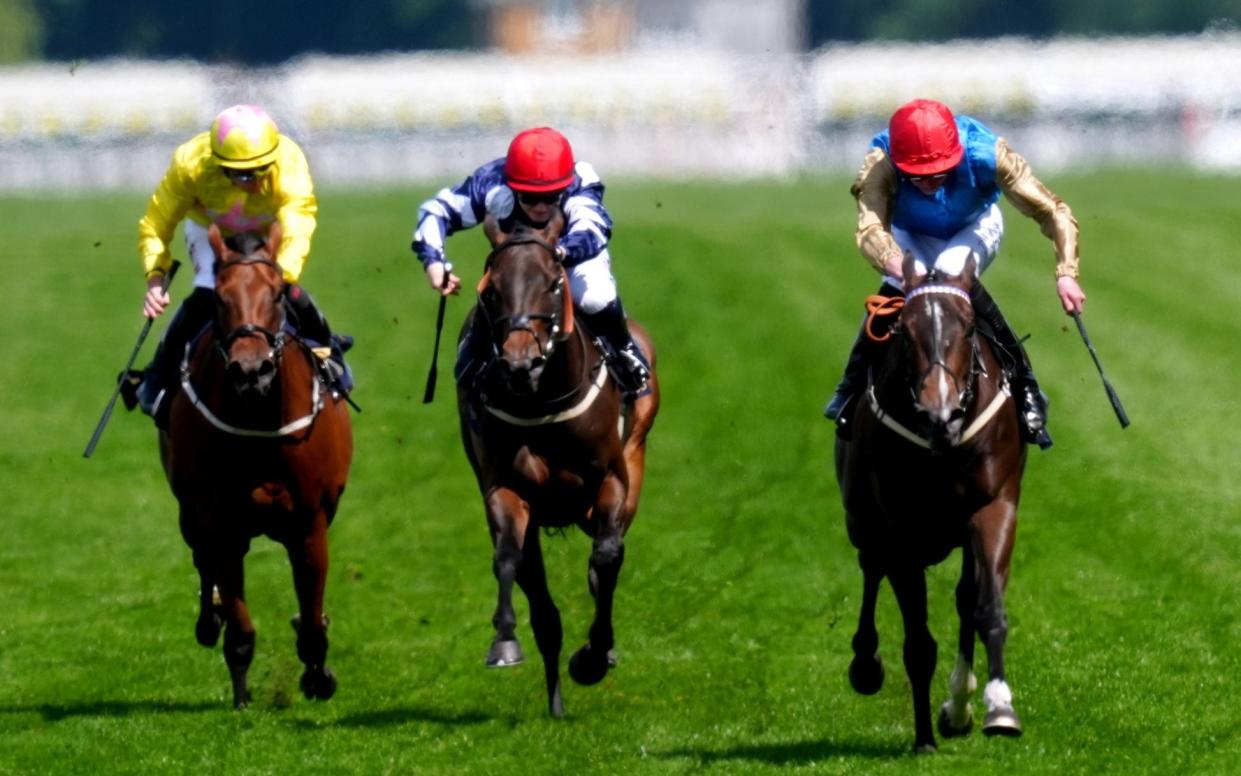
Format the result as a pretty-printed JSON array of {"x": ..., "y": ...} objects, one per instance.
[{"x": 739, "y": 592}]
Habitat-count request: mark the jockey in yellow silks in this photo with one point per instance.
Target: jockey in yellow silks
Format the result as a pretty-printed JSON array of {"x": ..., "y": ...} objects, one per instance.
[{"x": 241, "y": 175}]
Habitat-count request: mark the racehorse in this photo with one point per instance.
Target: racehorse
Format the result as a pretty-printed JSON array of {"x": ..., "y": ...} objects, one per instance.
[
  {"x": 256, "y": 444},
  {"x": 552, "y": 444},
  {"x": 935, "y": 462}
]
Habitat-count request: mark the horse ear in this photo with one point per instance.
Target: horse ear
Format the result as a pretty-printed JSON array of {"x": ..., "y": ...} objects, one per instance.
[
  {"x": 554, "y": 227},
  {"x": 491, "y": 228},
  {"x": 217, "y": 241},
  {"x": 274, "y": 235},
  {"x": 913, "y": 271}
]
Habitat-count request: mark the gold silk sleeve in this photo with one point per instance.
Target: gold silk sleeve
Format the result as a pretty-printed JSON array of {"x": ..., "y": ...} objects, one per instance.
[
  {"x": 875, "y": 190},
  {"x": 1033, "y": 199},
  {"x": 296, "y": 210}
]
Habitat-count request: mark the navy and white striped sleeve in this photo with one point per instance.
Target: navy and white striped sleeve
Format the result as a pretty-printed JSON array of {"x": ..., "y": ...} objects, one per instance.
[
  {"x": 588, "y": 227},
  {"x": 450, "y": 211}
]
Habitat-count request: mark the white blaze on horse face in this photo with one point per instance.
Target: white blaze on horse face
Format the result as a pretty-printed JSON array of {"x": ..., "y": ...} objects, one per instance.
[{"x": 944, "y": 396}]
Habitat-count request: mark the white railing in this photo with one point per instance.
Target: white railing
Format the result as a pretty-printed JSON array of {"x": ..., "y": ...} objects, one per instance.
[{"x": 656, "y": 112}]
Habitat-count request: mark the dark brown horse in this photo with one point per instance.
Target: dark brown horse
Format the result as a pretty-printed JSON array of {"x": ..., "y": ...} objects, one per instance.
[
  {"x": 257, "y": 444},
  {"x": 935, "y": 463},
  {"x": 552, "y": 445}
]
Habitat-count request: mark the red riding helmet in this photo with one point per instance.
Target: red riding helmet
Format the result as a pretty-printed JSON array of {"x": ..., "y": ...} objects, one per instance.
[
  {"x": 922, "y": 138},
  {"x": 539, "y": 160}
]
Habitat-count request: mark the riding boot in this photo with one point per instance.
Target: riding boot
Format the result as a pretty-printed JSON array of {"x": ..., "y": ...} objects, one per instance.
[
  {"x": 628, "y": 364},
  {"x": 864, "y": 354},
  {"x": 160, "y": 380},
  {"x": 310, "y": 324},
  {"x": 1025, "y": 386},
  {"x": 474, "y": 352}
]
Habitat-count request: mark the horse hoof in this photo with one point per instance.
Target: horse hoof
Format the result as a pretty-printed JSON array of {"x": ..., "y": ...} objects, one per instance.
[
  {"x": 241, "y": 700},
  {"x": 318, "y": 683},
  {"x": 613, "y": 658},
  {"x": 504, "y": 654},
  {"x": 948, "y": 729},
  {"x": 207, "y": 629},
  {"x": 1002, "y": 721},
  {"x": 587, "y": 666},
  {"x": 925, "y": 748},
  {"x": 866, "y": 676},
  {"x": 555, "y": 706}
]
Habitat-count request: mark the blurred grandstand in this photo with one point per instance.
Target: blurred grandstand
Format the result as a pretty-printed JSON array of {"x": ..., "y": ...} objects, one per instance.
[{"x": 644, "y": 88}]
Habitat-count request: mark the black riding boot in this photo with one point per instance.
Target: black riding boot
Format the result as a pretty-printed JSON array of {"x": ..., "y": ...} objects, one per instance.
[
  {"x": 1033, "y": 402},
  {"x": 310, "y": 324},
  {"x": 863, "y": 355},
  {"x": 474, "y": 352},
  {"x": 626, "y": 361},
  {"x": 154, "y": 387}
]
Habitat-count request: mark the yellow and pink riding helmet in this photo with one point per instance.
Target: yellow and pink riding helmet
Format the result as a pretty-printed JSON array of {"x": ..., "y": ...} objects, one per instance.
[{"x": 244, "y": 137}]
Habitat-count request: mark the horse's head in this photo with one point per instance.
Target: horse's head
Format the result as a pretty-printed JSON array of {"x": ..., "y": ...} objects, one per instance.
[
  {"x": 524, "y": 300},
  {"x": 250, "y": 316},
  {"x": 937, "y": 332}
]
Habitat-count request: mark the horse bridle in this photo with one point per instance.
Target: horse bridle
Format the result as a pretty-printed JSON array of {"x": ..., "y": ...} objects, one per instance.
[
  {"x": 275, "y": 339},
  {"x": 965, "y": 395},
  {"x": 522, "y": 321}
]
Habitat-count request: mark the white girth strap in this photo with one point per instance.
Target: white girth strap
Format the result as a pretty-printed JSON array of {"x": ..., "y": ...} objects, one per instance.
[
  {"x": 970, "y": 432},
  {"x": 559, "y": 417},
  {"x": 316, "y": 404}
]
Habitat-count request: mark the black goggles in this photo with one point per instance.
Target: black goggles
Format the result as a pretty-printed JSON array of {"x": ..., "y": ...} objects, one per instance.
[
  {"x": 532, "y": 198},
  {"x": 246, "y": 176},
  {"x": 937, "y": 178}
]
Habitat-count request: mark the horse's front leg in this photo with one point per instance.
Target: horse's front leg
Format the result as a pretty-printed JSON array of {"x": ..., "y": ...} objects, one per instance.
[
  {"x": 509, "y": 516},
  {"x": 544, "y": 618},
  {"x": 956, "y": 716},
  {"x": 866, "y": 668},
  {"x": 239, "y": 634},
  {"x": 591, "y": 663},
  {"x": 909, "y": 585},
  {"x": 210, "y": 611},
  {"x": 309, "y": 558},
  {"x": 993, "y": 531}
]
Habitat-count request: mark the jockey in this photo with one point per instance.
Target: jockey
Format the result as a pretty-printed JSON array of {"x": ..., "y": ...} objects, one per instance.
[
  {"x": 929, "y": 186},
  {"x": 537, "y": 176},
  {"x": 241, "y": 175}
]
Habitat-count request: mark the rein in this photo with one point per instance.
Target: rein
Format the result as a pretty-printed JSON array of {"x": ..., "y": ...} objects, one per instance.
[
  {"x": 884, "y": 306},
  {"x": 292, "y": 427},
  {"x": 562, "y": 328},
  {"x": 277, "y": 341}
]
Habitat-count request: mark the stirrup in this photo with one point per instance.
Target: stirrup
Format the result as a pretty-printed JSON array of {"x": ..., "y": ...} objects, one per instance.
[{"x": 628, "y": 371}]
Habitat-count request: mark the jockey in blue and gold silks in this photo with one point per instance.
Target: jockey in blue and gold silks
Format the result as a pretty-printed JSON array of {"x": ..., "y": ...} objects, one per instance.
[
  {"x": 241, "y": 175},
  {"x": 538, "y": 175},
  {"x": 930, "y": 187}
]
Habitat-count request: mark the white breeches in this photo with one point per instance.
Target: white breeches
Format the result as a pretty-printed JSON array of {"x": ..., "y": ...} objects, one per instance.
[
  {"x": 591, "y": 283},
  {"x": 201, "y": 254},
  {"x": 980, "y": 239}
]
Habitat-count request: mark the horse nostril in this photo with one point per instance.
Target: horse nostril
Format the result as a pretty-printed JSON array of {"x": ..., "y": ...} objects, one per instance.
[
  {"x": 266, "y": 369},
  {"x": 537, "y": 363}
]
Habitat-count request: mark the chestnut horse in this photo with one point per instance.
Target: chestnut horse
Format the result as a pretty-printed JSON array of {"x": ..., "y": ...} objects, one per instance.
[
  {"x": 552, "y": 444},
  {"x": 256, "y": 444},
  {"x": 935, "y": 463}
]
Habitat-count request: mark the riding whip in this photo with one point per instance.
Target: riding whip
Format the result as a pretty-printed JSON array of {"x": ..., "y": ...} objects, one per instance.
[
  {"x": 1111, "y": 392},
  {"x": 429, "y": 394},
  {"x": 146, "y": 329}
]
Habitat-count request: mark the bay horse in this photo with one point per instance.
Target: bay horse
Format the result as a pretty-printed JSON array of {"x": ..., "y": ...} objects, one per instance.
[
  {"x": 256, "y": 444},
  {"x": 935, "y": 462},
  {"x": 552, "y": 444}
]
